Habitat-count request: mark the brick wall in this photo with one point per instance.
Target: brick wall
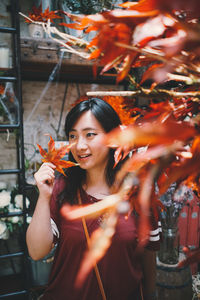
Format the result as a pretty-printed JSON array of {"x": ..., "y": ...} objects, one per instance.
[{"x": 42, "y": 104}]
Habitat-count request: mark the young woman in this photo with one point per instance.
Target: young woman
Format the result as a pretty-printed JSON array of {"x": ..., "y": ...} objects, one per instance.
[{"x": 122, "y": 268}]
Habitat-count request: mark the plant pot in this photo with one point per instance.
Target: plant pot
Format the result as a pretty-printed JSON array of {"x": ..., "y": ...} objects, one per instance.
[{"x": 36, "y": 30}]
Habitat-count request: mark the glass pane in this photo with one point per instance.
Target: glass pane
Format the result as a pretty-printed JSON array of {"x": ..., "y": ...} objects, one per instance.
[
  {"x": 9, "y": 104},
  {"x": 8, "y": 159},
  {"x": 7, "y": 181},
  {"x": 12, "y": 265},
  {"x": 5, "y": 19},
  {"x": 6, "y": 53}
]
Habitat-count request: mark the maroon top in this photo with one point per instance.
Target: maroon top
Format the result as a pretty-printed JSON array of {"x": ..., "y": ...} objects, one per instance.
[{"x": 120, "y": 268}]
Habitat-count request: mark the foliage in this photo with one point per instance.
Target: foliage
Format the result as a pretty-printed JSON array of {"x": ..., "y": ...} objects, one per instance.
[
  {"x": 11, "y": 203},
  {"x": 154, "y": 33},
  {"x": 54, "y": 156},
  {"x": 163, "y": 138},
  {"x": 39, "y": 16}
]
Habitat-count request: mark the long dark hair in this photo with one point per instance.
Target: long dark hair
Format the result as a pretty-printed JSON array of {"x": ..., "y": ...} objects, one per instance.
[{"x": 109, "y": 119}]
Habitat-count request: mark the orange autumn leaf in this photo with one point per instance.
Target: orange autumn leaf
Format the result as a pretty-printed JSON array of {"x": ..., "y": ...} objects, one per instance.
[
  {"x": 126, "y": 65},
  {"x": 149, "y": 71},
  {"x": 72, "y": 26},
  {"x": 188, "y": 168},
  {"x": 119, "y": 104},
  {"x": 54, "y": 156},
  {"x": 1, "y": 89},
  {"x": 150, "y": 133},
  {"x": 39, "y": 16},
  {"x": 120, "y": 154},
  {"x": 140, "y": 159},
  {"x": 142, "y": 5},
  {"x": 191, "y": 8},
  {"x": 157, "y": 26}
]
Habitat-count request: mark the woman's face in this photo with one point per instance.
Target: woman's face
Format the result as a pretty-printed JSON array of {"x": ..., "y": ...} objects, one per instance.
[{"x": 88, "y": 150}]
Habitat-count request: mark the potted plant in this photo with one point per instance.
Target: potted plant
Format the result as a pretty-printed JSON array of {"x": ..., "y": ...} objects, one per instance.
[
  {"x": 36, "y": 15},
  {"x": 11, "y": 227},
  {"x": 11, "y": 202}
]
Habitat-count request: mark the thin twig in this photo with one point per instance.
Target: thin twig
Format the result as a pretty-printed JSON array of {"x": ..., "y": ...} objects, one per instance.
[
  {"x": 144, "y": 92},
  {"x": 157, "y": 55},
  {"x": 187, "y": 79}
]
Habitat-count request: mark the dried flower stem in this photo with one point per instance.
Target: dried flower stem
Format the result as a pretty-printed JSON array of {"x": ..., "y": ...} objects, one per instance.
[{"x": 66, "y": 38}]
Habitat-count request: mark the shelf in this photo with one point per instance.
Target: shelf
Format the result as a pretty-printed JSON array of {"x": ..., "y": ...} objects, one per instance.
[
  {"x": 8, "y": 78},
  {"x": 12, "y": 287},
  {"x": 39, "y": 57},
  {"x": 3, "y": 127},
  {"x": 10, "y": 171},
  {"x": 7, "y": 29},
  {"x": 12, "y": 214},
  {"x": 16, "y": 254}
]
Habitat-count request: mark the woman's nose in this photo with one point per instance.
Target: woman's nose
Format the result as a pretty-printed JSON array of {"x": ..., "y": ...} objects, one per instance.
[{"x": 81, "y": 144}]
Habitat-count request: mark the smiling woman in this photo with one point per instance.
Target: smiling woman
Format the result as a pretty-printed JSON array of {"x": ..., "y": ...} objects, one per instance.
[
  {"x": 89, "y": 121},
  {"x": 122, "y": 269},
  {"x": 89, "y": 150}
]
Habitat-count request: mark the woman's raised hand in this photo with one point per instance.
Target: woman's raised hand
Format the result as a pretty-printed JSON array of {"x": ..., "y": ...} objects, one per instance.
[{"x": 44, "y": 178}]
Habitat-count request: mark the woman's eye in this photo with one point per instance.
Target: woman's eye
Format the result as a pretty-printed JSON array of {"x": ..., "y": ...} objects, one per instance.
[
  {"x": 72, "y": 137},
  {"x": 90, "y": 134}
]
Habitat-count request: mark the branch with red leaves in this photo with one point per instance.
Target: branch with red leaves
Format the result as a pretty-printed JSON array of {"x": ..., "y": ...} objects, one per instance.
[
  {"x": 158, "y": 36},
  {"x": 145, "y": 33},
  {"x": 165, "y": 153}
]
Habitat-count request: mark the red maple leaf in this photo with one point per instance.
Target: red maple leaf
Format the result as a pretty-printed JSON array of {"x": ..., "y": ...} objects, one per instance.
[
  {"x": 54, "y": 156},
  {"x": 39, "y": 16}
]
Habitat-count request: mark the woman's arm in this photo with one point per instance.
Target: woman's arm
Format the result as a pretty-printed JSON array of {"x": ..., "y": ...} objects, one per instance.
[
  {"x": 149, "y": 271},
  {"x": 39, "y": 236}
]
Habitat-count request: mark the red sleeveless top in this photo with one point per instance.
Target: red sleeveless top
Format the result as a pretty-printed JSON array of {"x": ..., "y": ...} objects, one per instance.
[{"x": 120, "y": 269}]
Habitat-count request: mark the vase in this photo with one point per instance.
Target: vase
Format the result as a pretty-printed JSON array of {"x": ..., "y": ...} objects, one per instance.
[
  {"x": 169, "y": 248},
  {"x": 36, "y": 30}
]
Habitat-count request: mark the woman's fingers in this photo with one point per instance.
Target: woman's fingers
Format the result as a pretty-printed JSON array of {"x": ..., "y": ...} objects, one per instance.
[
  {"x": 47, "y": 166},
  {"x": 44, "y": 178},
  {"x": 45, "y": 173},
  {"x": 49, "y": 178}
]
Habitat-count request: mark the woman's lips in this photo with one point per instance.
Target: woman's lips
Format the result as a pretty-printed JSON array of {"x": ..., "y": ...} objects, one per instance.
[{"x": 83, "y": 157}]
